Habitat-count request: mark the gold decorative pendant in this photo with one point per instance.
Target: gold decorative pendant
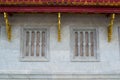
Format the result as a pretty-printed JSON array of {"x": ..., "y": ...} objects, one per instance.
[
  {"x": 59, "y": 27},
  {"x": 110, "y": 27},
  {"x": 8, "y": 27}
]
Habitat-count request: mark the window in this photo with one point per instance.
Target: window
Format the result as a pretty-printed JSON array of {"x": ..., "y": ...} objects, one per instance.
[
  {"x": 34, "y": 44},
  {"x": 84, "y": 45}
]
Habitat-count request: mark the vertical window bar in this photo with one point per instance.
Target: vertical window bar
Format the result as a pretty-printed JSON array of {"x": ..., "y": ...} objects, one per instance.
[
  {"x": 76, "y": 44},
  {"x": 35, "y": 40},
  {"x": 86, "y": 46},
  {"x": 40, "y": 51},
  {"x": 92, "y": 44},
  {"x": 94, "y": 41},
  {"x": 84, "y": 43},
  {"x": 81, "y": 43},
  {"x": 27, "y": 43},
  {"x": 43, "y": 43},
  {"x": 46, "y": 47},
  {"x": 89, "y": 43},
  {"x": 38, "y": 44},
  {"x": 30, "y": 42}
]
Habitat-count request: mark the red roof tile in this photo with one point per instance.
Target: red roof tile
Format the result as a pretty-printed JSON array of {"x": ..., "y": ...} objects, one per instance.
[{"x": 62, "y": 2}]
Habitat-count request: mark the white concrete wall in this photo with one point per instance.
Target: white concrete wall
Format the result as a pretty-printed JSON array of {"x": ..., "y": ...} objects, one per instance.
[{"x": 59, "y": 60}]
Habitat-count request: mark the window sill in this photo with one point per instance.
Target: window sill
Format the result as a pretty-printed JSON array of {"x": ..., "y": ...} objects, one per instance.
[
  {"x": 34, "y": 59},
  {"x": 84, "y": 60}
]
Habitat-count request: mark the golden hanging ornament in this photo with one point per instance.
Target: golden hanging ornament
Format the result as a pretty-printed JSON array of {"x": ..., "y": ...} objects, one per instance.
[
  {"x": 110, "y": 27},
  {"x": 59, "y": 27},
  {"x": 8, "y": 27}
]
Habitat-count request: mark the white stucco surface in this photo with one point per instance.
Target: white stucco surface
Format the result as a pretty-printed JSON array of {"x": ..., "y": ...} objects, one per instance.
[{"x": 59, "y": 55}]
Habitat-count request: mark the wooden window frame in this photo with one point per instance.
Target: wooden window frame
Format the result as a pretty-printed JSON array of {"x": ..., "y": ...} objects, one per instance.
[
  {"x": 73, "y": 58},
  {"x": 32, "y": 59}
]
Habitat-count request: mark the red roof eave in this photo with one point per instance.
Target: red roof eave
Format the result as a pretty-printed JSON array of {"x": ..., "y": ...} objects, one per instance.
[
  {"x": 77, "y": 6},
  {"x": 62, "y": 9}
]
